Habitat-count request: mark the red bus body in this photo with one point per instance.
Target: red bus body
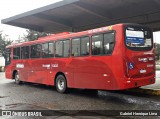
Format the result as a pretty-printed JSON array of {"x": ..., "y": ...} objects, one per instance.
[{"x": 124, "y": 68}]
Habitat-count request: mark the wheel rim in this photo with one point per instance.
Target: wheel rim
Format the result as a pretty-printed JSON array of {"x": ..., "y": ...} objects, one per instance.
[
  {"x": 61, "y": 84},
  {"x": 17, "y": 78}
]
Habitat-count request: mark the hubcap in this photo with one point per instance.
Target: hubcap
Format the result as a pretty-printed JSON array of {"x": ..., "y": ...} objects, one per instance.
[
  {"x": 61, "y": 84},
  {"x": 17, "y": 78}
]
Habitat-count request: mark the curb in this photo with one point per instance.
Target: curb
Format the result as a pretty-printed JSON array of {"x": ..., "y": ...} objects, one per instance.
[{"x": 145, "y": 91}]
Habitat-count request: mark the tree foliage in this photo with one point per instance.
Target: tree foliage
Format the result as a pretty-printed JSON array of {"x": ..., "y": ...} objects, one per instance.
[
  {"x": 157, "y": 51},
  {"x": 33, "y": 35},
  {"x": 3, "y": 43}
]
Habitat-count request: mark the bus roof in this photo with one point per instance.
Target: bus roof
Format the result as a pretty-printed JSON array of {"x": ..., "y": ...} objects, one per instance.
[{"x": 64, "y": 35}]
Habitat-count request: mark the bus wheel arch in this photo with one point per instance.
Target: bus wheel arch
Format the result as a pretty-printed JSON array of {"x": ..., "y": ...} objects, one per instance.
[
  {"x": 14, "y": 73},
  {"x": 60, "y": 81}
]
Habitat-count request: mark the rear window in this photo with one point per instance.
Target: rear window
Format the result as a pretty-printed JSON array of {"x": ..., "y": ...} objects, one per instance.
[{"x": 138, "y": 38}]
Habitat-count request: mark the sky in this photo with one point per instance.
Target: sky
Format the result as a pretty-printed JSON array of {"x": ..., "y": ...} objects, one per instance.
[
  {"x": 156, "y": 37},
  {"x": 11, "y": 8}
]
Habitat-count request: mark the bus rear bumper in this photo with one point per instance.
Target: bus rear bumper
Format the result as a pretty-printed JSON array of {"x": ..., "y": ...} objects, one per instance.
[
  {"x": 135, "y": 82},
  {"x": 138, "y": 82}
]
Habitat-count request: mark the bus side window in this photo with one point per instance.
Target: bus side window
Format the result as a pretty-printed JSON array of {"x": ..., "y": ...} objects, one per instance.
[
  {"x": 51, "y": 49},
  {"x": 97, "y": 47},
  {"x": 22, "y": 52},
  {"x": 63, "y": 48},
  {"x": 76, "y": 47},
  {"x": 33, "y": 51},
  {"x": 36, "y": 51},
  {"x": 85, "y": 45},
  {"x": 59, "y": 48},
  {"x": 66, "y": 48},
  {"x": 109, "y": 40},
  {"x": 16, "y": 53},
  {"x": 25, "y": 52},
  {"x": 45, "y": 50}
]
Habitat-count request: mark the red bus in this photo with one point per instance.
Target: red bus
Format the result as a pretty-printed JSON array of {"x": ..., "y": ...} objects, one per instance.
[{"x": 114, "y": 57}]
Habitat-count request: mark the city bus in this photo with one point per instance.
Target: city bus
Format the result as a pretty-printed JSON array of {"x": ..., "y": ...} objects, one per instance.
[{"x": 115, "y": 57}]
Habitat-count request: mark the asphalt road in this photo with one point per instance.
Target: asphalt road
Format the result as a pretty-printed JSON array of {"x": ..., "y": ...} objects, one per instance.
[{"x": 32, "y": 96}]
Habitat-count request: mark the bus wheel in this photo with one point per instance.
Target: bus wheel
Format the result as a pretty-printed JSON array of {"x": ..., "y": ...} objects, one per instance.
[
  {"x": 16, "y": 78},
  {"x": 61, "y": 84}
]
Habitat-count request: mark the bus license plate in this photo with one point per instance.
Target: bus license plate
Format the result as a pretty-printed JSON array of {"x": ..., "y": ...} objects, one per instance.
[{"x": 142, "y": 71}]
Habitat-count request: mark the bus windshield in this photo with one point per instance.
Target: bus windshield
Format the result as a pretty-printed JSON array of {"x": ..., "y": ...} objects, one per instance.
[{"x": 138, "y": 38}]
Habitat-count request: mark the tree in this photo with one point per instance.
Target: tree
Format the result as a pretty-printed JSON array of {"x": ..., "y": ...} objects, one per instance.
[
  {"x": 33, "y": 35},
  {"x": 3, "y": 43},
  {"x": 157, "y": 51}
]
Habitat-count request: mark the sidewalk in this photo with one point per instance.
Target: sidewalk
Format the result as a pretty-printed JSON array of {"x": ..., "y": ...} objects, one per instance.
[
  {"x": 153, "y": 89},
  {"x": 155, "y": 86}
]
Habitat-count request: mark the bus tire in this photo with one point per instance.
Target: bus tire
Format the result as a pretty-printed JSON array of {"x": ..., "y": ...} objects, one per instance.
[
  {"x": 16, "y": 78},
  {"x": 61, "y": 84}
]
